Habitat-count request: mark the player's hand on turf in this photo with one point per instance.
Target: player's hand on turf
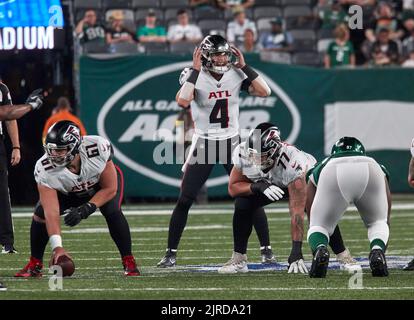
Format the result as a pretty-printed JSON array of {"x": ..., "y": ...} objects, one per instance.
[
  {"x": 35, "y": 99},
  {"x": 197, "y": 59},
  {"x": 298, "y": 266},
  {"x": 56, "y": 254},
  {"x": 271, "y": 191},
  {"x": 240, "y": 63}
]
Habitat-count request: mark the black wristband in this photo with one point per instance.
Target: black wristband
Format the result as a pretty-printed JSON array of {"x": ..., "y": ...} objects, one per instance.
[
  {"x": 296, "y": 252},
  {"x": 87, "y": 209},
  {"x": 193, "y": 76},
  {"x": 249, "y": 72},
  {"x": 259, "y": 186}
]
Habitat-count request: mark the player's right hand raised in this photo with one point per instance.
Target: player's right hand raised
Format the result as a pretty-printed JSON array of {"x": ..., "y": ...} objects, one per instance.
[
  {"x": 271, "y": 191},
  {"x": 197, "y": 59},
  {"x": 35, "y": 99}
]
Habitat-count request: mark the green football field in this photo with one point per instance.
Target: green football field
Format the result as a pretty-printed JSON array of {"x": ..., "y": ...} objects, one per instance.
[{"x": 206, "y": 244}]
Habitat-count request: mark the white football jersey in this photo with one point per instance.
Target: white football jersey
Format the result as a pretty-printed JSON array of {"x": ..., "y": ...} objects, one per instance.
[
  {"x": 412, "y": 148},
  {"x": 94, "y": 152},
  {"x": 291, "y": 164},
  {"x": 215, "y": 108}
]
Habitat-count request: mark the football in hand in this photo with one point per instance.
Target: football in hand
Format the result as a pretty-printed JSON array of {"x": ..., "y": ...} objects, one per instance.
[{"x": 67, "y": 265}]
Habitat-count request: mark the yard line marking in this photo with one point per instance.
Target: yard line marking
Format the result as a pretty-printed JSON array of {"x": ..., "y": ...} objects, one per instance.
[
  {"x": 148, "y": 229},
  {"x": 212, "y": 211}
]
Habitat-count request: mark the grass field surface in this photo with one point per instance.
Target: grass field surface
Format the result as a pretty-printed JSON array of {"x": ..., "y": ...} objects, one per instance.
[{"x": 206, "y": 244}]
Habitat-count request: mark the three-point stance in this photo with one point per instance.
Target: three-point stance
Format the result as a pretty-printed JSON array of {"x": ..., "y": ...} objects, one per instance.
[
  {"x": 348, "y": 176},
  {"x": 212, "y": 88},
  {"x": 76, "y": 176}
]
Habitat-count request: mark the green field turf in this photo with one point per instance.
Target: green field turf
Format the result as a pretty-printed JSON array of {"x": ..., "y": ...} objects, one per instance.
[{"x": 207, "y": 242}]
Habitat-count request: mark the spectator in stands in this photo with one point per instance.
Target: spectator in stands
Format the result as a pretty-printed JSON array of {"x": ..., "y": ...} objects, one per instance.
[
  {"x": 384, "y": 51},
  {"x": 184, "y": 31},
  {"x": 340, "y": 52},
  {"x": 408, "y": 14},
  {"x": 237, "y": 27},
  {"x": 332, "y": 16},
  {"x": 249, "y": 42},
  {"x": 358, "y": 2},
  {"x": 409, "y": 63},
  {"x": 151, "y": 32},
  {"x": 234, "y": 4},
  {"x": 277, "y": 39},
  {"x": 89, "y": 30},
  {"x": 118, "y": 33},
  {"x": 408, "y": 44},
  {"x": 384, "y": 17},
  {"x": 202, "y": 4},
  {"x": 62, "y": 111}
]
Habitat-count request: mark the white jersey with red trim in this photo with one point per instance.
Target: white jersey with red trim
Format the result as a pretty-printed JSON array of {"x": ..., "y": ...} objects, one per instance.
[
  {"x": 215, "y": 108},
  {"x": 291, "y": 164},
  {"x": 94, "y": 152}
]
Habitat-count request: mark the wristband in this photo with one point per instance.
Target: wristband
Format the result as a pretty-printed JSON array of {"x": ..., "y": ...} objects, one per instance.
[
  {"x": 18, "y": 148},
  {"x": 249, "y": 72},
  {"x": 193, "y": 76},
  {"x": 55, "y": 241}
]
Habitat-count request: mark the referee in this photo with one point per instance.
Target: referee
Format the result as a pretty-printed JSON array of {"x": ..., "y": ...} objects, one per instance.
[{"x": 10, "y": 113}]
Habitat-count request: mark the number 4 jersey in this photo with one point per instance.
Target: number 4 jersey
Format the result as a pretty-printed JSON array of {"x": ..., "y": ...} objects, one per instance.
[
  {"x": 215, "y": 108},
  {"x": 94, "y": 152},
  {"x": 291, "y": 164}
]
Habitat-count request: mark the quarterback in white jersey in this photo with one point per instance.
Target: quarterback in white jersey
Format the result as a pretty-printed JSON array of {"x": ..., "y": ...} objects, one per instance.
[
  {"x": 76, "y": 176},
  {"x": 211, "y": 89}
]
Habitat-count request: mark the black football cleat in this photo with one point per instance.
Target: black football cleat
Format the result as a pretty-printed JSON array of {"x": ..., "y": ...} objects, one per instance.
[
  {"x": 377, "y": 263},
  {"x": 169, "y": 260},
  {"x": 2, "y": 287},
  {"x": 409, "y": 266},
  {"x": 7, "y": 249},
  {"x": 267, "y": 256},
  {"x": 320, "y": 263}
]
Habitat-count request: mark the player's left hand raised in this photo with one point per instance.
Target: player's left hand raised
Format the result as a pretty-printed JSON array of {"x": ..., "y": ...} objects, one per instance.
[{"x": 240, "y": 63}]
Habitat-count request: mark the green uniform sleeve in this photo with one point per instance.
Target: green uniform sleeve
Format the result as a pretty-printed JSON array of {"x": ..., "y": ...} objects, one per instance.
[{"x": 385, "y": 170}]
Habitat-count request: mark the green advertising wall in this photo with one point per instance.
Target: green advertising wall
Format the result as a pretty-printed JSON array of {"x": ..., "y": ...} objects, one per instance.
[{"x": 129, "y": 99}]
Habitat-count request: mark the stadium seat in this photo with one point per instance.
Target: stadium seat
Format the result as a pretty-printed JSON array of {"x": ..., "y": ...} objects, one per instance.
[
  {"x": 228, "y": 14},
  {"x": 303, "y": 34},
  {"x": 87, "y": 4},
  {"x": 209, "y": 25},
  {"x": 307, "y": 59},
  {"x": 128, "y": 14},
  {"x": 296, "y": 3},
  {"x": 325, "y": 34},
  {"x": 174, "y": 3},
  {"x": 145, "y": 4},
  {"x": 182, "y": 48},
  {"x": 259, "y": 3},
  {"x": 304, "y": 45},
  {"x": 297, "y": 11},
  {"x": 323, "y": 44},
  {"x": 275, "y": 57},
  {"x": 171, "y": 14},
  {"x": 266, "y": 12},
  {"x": 116, "y": 4},
  {"x": 156, "y": 47},
  {"x": 95, "y": 47},
  {"x": 208, "y": 14},
  {"x": 123, "y": 47},
  {"x": 140, "y": 15}
]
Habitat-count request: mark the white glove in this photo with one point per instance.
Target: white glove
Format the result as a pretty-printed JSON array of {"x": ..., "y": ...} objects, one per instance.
[
  {"x": 184, "y": 75},
  {"x": 274, "y": 193},
  {"x": 298, "y": 266}
]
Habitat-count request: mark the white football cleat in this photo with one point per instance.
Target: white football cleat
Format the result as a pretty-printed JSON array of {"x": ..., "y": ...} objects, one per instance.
[
  {"x": 237, "y": 264},
  {"x": 346, "y": 262}
]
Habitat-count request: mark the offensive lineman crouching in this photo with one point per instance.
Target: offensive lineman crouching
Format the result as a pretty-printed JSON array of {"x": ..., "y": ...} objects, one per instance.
[{"x": 76, "y": 176}]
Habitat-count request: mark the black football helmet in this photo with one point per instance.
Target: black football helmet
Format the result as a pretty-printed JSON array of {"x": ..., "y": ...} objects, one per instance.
[
  {"x": 263, "y": 145},
  {"x": 215, "y": 45},
  {"x": 62, "y": 143}
]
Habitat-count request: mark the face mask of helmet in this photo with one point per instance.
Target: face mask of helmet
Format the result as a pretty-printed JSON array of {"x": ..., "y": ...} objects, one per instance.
[
  {"x": 60, "y": 156},
  {"x": 219, "y": 62},
  {"x": 264, "y": 160}
]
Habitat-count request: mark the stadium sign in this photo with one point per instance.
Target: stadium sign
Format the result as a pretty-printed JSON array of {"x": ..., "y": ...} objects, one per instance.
[
  {"x": 146, "y": 111},
  {"x": 27, "y": 38}
]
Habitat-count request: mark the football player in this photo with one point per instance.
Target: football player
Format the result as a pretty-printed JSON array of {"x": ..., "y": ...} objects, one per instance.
[
  {"x": 263, "y": 167},
  {"x": 410, "y": 265},
  {"x": 212, "y": 90},
  {"x": 347, "y": 176},
  {"x": 75, "y": 177},
  {"x": 13, "y": 112}
]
